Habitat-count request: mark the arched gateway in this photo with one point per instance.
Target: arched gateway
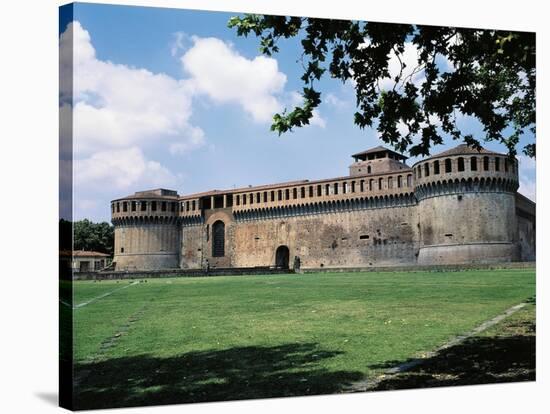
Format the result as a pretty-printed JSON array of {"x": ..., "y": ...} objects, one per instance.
[{"x": 282, "y": 257}]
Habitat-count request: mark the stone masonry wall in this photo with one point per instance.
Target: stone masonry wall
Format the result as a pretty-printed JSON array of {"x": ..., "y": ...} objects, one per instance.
[
  {"x": 146, "y": 246},
  {"x": 375, "y": 237}
]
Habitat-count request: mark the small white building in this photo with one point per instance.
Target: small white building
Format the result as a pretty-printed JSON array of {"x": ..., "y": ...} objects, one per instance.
[{"x": 89, "y": 261}]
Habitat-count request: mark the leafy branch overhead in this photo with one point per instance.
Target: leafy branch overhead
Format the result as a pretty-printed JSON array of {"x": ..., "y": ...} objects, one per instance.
[{"x": 488, "y": 74}]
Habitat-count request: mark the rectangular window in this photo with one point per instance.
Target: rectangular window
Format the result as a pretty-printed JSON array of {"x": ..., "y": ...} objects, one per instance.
[
  {"x": 303, "y": 192},
  {"x": 153, "y": 206},
  {"x": 193, "y": 205},
  {"x": 287, "y": 194},
  {"x": 280, "y": 195},
  {"x": 311, "y": 191},
  {"x": 133, "y": 206},
  {"x": 118, "y": 207},
  {"x": 436, "y": 167},
  {"x": 353, "y": 186},
  {"x": 125, "y": 206},
  {"x": 272, "y": 195},
  {"x": 335, "y": 188},
  {"x": 163, "y": 206},
  {"x": 319, "y": 190},
  {"x": 497, "y": 164},
  {"x": 294, "y": 193}
]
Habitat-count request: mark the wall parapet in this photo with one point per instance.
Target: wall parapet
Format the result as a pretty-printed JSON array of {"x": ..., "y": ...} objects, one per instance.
[
  {"x": 327, "y": 207},
  {"x": 460, "y": 186},
  {"x": 145, "y": 220}
]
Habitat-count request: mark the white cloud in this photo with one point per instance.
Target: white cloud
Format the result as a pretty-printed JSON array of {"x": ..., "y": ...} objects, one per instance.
[
  {"x": 120, "y": 112},
  {"x": 317, "y": 119},
  {"x": 196, "y": 140},
  {"x": 84, "y": 204},
  {"x": 332, "y": 100},
  {"x": 181, "y": 42},
  {"x": 527, "y": 176},
  {"x": 117, "y": 106},
  {"x": 120, "y": 169},
  {"x": 409, "y": 58},
  {"x": 528, "y": 188},
  {"x": 218, "y": 71},
  {"x": 527, "y": 163}
]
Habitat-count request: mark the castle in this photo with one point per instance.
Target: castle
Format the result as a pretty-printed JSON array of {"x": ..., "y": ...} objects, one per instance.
[{"x": 459, "y": 206}]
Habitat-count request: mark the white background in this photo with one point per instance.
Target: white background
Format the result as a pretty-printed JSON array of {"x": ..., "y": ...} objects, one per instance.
[{"x": 29, "y": 212}]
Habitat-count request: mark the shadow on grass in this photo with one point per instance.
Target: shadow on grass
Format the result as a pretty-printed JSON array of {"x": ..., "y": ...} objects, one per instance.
[
  {"x": 478, "y": 360},
  {"x": 230, "y": 374}
]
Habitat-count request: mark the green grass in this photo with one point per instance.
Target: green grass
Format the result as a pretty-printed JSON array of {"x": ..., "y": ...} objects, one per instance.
[
  {"x": 506, "y": 352},
  {"x": 201, "y": 339}
]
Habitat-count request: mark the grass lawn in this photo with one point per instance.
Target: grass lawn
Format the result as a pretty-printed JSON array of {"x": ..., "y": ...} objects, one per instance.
[
  {"x": 502, "y": 353},
  {"x": 221, "y": 338}
]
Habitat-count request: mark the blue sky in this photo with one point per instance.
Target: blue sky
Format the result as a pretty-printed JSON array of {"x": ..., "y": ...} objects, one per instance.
[{"x": 173, "y": 98}]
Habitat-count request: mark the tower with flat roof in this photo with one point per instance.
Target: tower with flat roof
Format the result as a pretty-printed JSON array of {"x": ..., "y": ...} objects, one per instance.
[{"x": 377, "y": 160}]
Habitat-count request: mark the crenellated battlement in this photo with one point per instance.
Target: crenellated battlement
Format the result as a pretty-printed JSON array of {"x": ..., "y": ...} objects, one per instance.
[
  {"x": 464, "y": 163},
  {"x": 454, "y": 207},
  {"x": 469, "y": 185},
  {"x": 143, "y": 220},
  {"x": 159, "y": 203},
  {"x": 328, "y": 206}
]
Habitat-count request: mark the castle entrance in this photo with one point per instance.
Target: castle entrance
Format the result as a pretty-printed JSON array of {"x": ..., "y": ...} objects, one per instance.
[{"x": 282, "y": 257}]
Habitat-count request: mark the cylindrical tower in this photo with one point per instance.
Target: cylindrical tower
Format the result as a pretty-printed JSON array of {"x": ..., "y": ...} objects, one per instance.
[
  {"x": 467, "y": 207},
  {"x": 146, "y": 230}
]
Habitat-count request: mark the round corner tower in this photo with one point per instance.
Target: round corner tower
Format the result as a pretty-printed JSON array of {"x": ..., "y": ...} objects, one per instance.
[
  {"x": 466, "y": 207},
  {"x": 146, "y": 230}
]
